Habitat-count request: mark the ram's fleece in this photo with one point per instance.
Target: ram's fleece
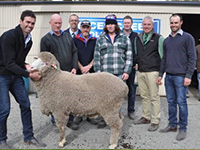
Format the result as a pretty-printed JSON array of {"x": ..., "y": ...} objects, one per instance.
[{"x": 62, "y": 93}]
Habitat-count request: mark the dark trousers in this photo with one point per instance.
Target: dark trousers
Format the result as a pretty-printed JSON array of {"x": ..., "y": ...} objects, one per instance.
[
  {"x": 15, "y": 85},
  {"x": 132, "y": 90}
]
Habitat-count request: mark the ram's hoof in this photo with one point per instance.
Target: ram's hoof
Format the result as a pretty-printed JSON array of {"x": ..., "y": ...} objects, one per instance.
[
  {"x": 62, "y": 143},
  {"x": 113, "y": 146}
]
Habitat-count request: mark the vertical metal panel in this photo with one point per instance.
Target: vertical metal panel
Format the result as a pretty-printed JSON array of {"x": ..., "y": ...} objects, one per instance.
[{"x": 9, "y": 17}]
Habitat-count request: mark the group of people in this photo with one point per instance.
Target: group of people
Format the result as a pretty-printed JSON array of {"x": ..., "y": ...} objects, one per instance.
[{"x": 117, "y": 52}]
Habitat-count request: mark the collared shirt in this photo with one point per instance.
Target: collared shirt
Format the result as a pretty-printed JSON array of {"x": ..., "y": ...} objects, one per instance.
[
  {"x": 115, "y": 58},
  {"x": 85, "y": 40},
  {"x": 179, "y": 32},
  {"x": 75, "y": 33},
  {"x": 52, "y": 33},
  {"x": 28, "y": 38}
]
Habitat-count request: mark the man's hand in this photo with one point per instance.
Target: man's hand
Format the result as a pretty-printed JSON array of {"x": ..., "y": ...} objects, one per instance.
[
  {"x": 125, "y": 76},
  {"x": 73, "y": 71},
  {"x": 35, "y": 75},
  {"x": 158, "y": 81},
  {"x": 187, "y": 81}
]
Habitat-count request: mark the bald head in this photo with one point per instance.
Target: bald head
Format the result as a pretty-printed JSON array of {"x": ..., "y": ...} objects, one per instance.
[{"x": 56, "y": 23}]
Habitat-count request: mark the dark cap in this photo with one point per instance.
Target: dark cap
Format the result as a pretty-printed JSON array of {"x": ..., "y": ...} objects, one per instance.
[
  {"x": 111, "y": 19},
  {"x": 85, "y": 23}
]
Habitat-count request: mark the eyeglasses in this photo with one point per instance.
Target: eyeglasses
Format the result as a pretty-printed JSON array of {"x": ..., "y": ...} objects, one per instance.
[{"x": 74, "y": 20}]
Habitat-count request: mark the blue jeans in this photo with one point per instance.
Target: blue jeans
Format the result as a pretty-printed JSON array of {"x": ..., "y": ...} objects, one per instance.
[
  {"x": 176, "y": 95},
  {"x": 132, "y": 90},
  {"x": 15, "y": 85},
  {"x": 198, "y": 77}
]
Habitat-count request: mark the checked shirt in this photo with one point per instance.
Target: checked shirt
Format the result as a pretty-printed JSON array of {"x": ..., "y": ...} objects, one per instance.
[{"x": 115, "y": 58}]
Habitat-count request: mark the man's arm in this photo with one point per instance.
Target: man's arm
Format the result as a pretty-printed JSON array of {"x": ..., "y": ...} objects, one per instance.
[{"x": 9, "y": 55}]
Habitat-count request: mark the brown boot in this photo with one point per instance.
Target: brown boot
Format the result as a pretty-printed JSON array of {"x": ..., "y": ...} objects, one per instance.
[{"x": 142, "y": 121}]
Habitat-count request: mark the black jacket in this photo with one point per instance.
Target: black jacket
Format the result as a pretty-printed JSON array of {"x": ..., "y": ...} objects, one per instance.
[
  {"x": 13, "y": 53},
  {"x": 132, "y": 37},
  {"x": 148, "y": 58}
]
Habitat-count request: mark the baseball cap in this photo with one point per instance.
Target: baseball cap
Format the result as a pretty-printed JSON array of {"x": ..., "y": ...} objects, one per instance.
[
  {"x": 85, "y": 23},
  {"x": 111, "y": 19}
]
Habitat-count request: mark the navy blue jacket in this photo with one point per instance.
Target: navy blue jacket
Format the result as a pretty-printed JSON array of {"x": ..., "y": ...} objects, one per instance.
[
  {"x": 85, "y": 50},
  {"x": 13, "y": 53}
]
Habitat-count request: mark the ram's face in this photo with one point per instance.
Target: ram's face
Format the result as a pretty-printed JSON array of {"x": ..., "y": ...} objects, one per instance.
[{"x": 38, "y": 64}]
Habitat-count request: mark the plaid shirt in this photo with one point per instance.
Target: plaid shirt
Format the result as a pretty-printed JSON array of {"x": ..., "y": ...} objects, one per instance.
[{"x": 115, "y": 58}]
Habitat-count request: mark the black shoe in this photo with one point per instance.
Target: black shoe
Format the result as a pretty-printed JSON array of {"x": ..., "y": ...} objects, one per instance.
[
  {"x": 101, "y": 124},
  {"x": 77, "y": 120},
  {"x": 72, "y": 125},
  {"x": 93, "y": 121},
  {"x": 35, "y": 142},
  {"x": 4, "y": 145}
]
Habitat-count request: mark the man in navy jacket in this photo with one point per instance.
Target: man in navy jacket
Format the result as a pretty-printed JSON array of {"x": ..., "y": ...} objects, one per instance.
[{"x": 179, "y": 61}]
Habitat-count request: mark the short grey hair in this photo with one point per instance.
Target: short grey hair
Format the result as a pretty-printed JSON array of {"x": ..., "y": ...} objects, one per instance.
[{"x": 149, "y": 18}]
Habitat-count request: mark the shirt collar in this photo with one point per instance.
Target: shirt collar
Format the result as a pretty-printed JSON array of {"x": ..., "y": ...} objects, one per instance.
[
  {"x": 180, "y": 32},
  {"x": 28, "y": 38},
  {"x": 70, "y": 31},
  {"x": 51, "y": 32},
  {"x": 81, "y": 36}
]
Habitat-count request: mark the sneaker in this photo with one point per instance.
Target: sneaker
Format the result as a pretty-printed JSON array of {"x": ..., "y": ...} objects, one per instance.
[
  {"x": 4, "y": 145},
  {"x": 77, "y": 120},
  {"x": 101, "y": 124},
  {"x": 72, "y": 125},
  {"x": 93, "y": 121},
  {"x": 131, "y": 116},
  {"x": 168, "y": 129},
  {"x": 181, "y": 135},
  {"x": 35, "y": 142},
  {"x": 142, "y": 121},
  {"x": 153, "y": 127}
]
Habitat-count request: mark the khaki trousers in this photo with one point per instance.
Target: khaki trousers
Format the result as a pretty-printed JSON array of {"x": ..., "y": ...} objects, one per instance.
[{"x": 150, "y": 97}]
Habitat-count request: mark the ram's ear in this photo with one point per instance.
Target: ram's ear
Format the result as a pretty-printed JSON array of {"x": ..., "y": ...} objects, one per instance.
[{"x": 55, "y": 66}]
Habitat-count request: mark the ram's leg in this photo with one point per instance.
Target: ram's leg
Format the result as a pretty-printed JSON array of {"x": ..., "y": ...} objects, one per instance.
[
  {"x": 62, "y": 140},
  {"x": 115, "y": 122},
  {"x": 61, "y": 121}
]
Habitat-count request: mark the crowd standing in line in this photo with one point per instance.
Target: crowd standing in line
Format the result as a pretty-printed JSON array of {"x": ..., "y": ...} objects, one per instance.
[
  {"x": 179, "y": 61},
  {"x": 116, "y": 52},
  {"x": 149, "y": 51},
  {"x": 14, "y": 47},
  {"x": 62, "y": 46}
]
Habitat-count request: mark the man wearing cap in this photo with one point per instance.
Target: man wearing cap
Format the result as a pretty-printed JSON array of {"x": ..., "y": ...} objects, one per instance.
[
  {"x": 62, "y": 46},
  {"x": 113, "y": 51},
  {"x": 85, "y": 44},
  {"x": 73, "y": 29}
]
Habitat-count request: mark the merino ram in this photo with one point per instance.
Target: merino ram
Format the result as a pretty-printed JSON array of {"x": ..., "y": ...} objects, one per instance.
[{"x": 62, "y": 93}]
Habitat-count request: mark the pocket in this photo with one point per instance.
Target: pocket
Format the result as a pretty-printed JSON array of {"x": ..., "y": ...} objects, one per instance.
[
  {"x": 121, "y": 48},
  {"x": 103, "y": 49}
]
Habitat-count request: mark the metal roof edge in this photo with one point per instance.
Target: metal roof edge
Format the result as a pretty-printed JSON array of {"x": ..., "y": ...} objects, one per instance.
[{"x": 179, "y": 3}]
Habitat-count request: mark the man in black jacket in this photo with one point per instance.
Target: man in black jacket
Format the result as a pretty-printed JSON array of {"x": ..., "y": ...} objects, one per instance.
[
  {"x": 149, "y": 51},
  {"x": 128, "y": 22},
  {"x": 14, "y": 47}
]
